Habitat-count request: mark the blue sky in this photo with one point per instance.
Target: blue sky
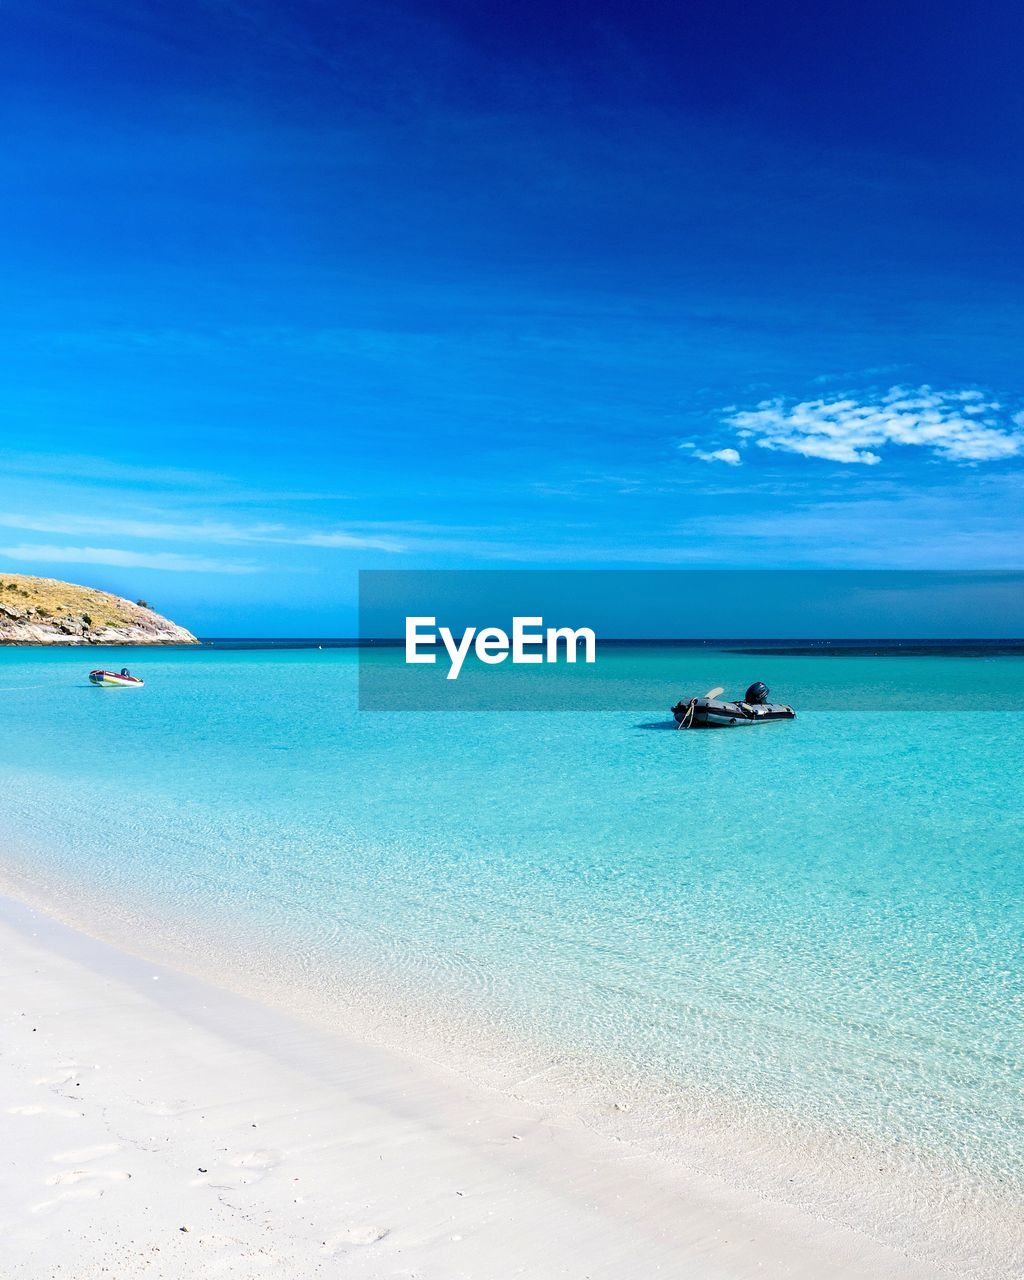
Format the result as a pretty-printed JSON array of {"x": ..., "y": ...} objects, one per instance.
[{"x": 293, "y": 290}]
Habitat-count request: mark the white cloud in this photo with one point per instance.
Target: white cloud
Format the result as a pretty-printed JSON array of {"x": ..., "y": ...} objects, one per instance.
[
  {"x": 961, "y": 426},
  {"x": 90, "y": 467},
  {"x": 168, "y": 560},
  {"x": 345, "y": 541},
  {"x": 197, "y": 531},
  {"x": 729, "y": 456}
]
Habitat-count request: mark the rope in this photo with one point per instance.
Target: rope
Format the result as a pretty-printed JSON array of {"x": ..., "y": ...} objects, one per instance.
[{"x": 687, "y": 720}]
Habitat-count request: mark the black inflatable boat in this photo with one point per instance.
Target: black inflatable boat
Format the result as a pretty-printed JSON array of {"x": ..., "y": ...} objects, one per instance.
[{"x": 710, "y": 713}]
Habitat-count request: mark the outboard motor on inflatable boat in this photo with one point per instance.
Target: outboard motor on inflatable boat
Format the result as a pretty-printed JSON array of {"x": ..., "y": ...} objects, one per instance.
[{"x": 710, "y": 712}]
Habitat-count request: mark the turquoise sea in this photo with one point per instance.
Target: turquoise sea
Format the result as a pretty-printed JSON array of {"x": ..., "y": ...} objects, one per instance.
[{"x": 790, "y": 955}]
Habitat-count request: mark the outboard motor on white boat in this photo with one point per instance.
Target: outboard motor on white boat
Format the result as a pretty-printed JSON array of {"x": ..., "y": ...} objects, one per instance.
[{"x": 710, "y": 713}]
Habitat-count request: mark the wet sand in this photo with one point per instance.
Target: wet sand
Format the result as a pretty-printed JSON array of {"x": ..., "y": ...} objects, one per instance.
[{"x": 154, "y": 1125}]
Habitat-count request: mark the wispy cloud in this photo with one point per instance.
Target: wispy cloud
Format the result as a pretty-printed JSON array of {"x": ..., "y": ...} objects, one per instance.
[
  {"x": 91, "y": 467},
  {"x": 729, "y": 456},
  {"x": 224, "y": 532},
  {"x": 165, "y": 560},
  {"x": 960, "y": 426},
  {"x": 877, "y": 524},
  {"x": 344, "y": 541}
]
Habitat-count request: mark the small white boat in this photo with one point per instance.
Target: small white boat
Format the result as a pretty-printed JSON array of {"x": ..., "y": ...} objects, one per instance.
[{"x": 122, "y": 679}]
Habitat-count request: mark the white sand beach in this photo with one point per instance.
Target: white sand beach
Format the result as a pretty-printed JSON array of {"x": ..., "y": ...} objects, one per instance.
[{"x": 154, "y": 1125}]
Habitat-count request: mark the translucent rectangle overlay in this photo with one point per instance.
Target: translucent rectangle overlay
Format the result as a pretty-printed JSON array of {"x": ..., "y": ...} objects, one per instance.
[{"x": 822, "y": 640}]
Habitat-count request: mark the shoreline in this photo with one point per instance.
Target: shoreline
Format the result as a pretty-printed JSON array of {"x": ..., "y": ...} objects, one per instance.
[
  {"x": 879, "y": 1195},
  {"x": 137, "y": 1069}
]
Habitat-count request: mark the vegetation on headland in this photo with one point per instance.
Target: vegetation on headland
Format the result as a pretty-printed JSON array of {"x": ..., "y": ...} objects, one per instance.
[{"x": 48, "y": 611}]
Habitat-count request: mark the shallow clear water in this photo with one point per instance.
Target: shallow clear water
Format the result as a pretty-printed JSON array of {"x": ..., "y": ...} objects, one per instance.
[{"x": 816, "y": 924}]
